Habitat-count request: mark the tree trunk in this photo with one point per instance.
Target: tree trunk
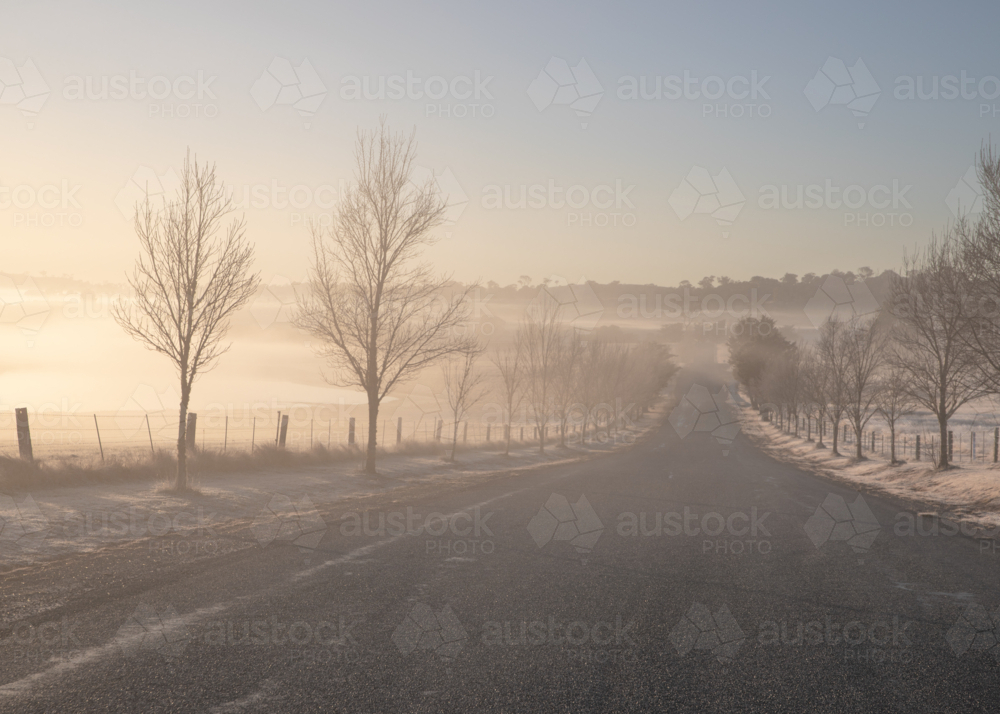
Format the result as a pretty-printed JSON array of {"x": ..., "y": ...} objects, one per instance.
[
  {"x": 859, "y": 434},
  {"x": 820, "y": 425},
  {"x": 510, "y": 428},
  {"x": 372, "y": 433},
  {"x": 892, "y": 444},
  {"x": 182, "y": 482},
  {"x": 454, "y": 441},
  {"x": 943, "y": 459},
  {"x": 836, "y": 436}
]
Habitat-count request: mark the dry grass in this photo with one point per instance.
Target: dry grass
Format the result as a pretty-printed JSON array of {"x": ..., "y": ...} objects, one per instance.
[{"x": 140, "y": 465}]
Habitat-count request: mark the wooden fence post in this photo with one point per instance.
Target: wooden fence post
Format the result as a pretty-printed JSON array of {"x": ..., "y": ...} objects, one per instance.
[
  {"x": 283, "y": 431},
  {"x": 253, "y": 434},
  {"x": 24, "y": 434},
  {"x": 350, "y": 432},
  {"x": 399, "y": 431},
  {"x": 99, "y": 444},
  {"x": 150, "y": 432},
  {"x": 918, "y": 447}
]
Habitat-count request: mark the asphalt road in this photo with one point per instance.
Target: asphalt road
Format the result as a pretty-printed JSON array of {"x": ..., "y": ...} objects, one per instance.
[{"x": 527, "y": 598}]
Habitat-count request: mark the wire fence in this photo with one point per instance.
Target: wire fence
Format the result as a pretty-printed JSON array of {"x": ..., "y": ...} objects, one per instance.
[
  {"x": 978, "y": 445},
  {"x": 58, "y": 434}
]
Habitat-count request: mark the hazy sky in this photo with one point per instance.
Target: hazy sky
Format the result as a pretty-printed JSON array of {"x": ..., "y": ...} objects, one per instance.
[{"x": 641, "y": 213}]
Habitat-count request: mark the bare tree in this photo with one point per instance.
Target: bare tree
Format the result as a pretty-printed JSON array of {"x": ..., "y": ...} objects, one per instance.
[
  {"x": 192, "y": 275},
  {"x": 980, "y": 261},
  {"x": 380, "y": 316},
  {"x": 509, "y": 362},
  {"x": 567, "y": 368},
  {"x": 464, "y": 386},
  {"x": 865, "y": 348},
  {"x": 834, "y": 358},
  {"x": 541, "y": 332},
  {"x": 930, "y": 302},
  {"x": 893, "y": 400},
  {"x": 815, "y": 380}
]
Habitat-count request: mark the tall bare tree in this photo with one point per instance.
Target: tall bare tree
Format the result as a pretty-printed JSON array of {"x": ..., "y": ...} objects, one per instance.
[
  {"x": 567, "y": 369},
  {"x": 930, "y": 300},
  {"x": 510, "y": 364},
  {"x": 865, "y": 345},
  {"x": 192, "y": 275},
  {"x": 815, "y": 380},
  {"x": 980, "y": 261},
  {"x": 542, "y": 332},
  {"x": 893, "y": 400},
  {"x": 464, "y": 387},
  {"x": 834, "y": 359},
  {"x": 377, "y": 312}
]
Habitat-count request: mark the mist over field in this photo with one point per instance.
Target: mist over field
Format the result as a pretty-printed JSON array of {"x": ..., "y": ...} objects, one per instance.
[{"x": 388, "y": 357}]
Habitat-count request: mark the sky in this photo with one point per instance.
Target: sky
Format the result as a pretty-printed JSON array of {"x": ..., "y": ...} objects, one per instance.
[{"x": 639, "y": 190}]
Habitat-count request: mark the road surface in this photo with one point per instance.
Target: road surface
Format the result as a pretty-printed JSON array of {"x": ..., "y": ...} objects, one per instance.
[{"x": 668, "y": 577}]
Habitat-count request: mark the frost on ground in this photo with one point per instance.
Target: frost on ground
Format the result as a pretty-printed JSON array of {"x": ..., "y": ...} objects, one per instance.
[
  {"x": 50, "y": 522},
  {"x": 966, "y": 492}
]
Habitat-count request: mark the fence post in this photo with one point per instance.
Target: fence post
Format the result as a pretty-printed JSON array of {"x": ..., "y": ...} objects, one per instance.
[
  {"x": 522, "y": 433},
  {"x": 24, "y": 434},
  {"x": 283, "y": 431},
  {"x": 437, "y": 430},
  {"x": 253, "y": 434},
  {"x": 225, "y": 438},
  {"x": 150, "y": 432},
  {"x": 277, "y": 430},
  {"x": 350, "y": 432},
  {"x": 996, "y": 444},
  {"x": 465, "y": 432},
  {"x": 918, "y": 447},
  {"x": 99, "y": 444},
  {"x": 487, "y": 432},
  {"x": 972, "y": 446},
  {"x": 190, "y": 434},
  {"x": 329, "y": 430},
  {"x": 951, "y": 445},
  {"x": 873, "y": 441}
]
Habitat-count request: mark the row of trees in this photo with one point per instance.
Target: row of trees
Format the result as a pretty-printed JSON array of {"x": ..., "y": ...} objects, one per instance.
[
  {"x": 567, "y": 378},
  {"x": 935, "y": 345},
  {"x": 379, "y": 315}
]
